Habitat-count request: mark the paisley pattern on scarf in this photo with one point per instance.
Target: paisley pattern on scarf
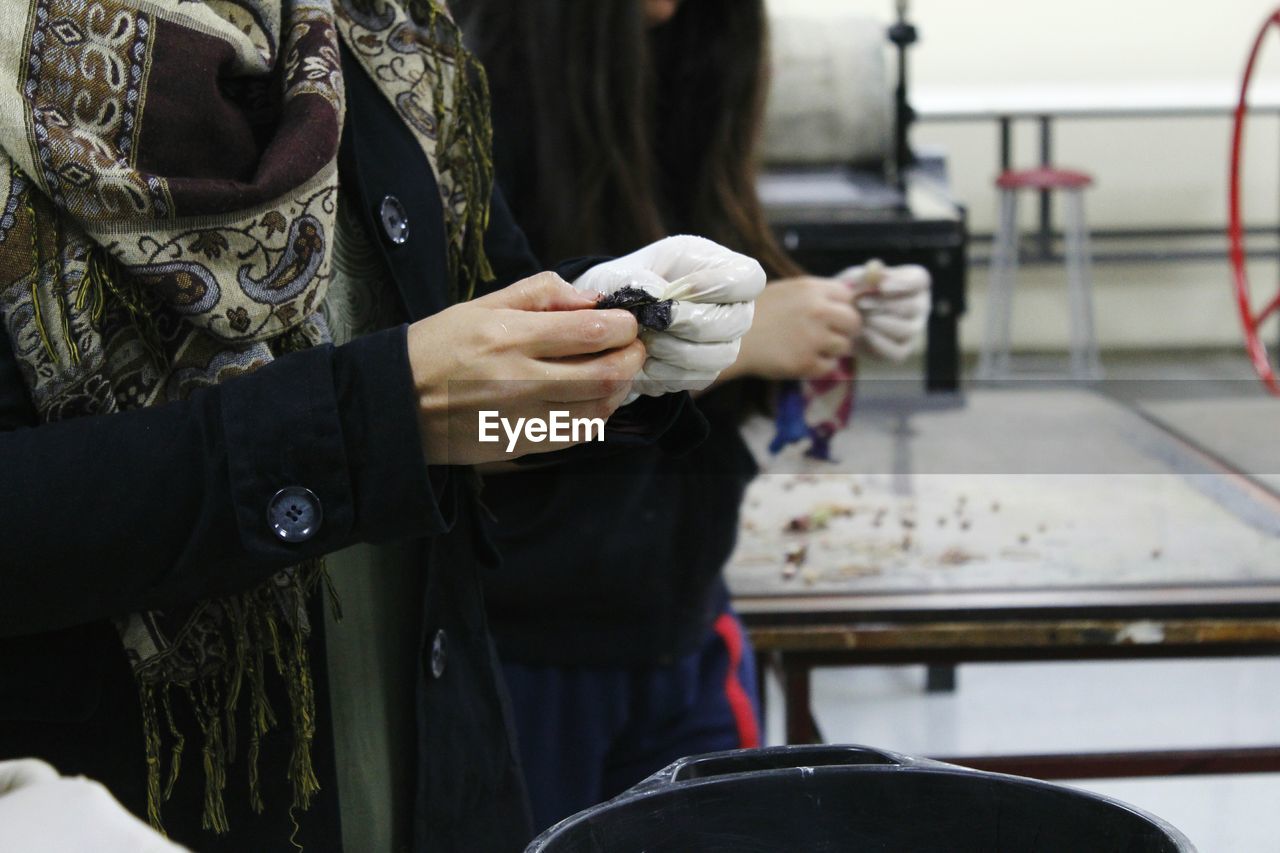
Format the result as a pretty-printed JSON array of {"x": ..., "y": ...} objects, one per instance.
[
  {"x": 168, "y": 202},
  {"x": 423, "y": 69}
]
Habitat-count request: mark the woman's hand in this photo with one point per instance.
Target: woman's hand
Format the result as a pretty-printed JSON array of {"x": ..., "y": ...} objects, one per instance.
[
  {"x": 803, "y": 327},
  {"x": 711, "y": 291},
  {"x": 895, "y": 304},
  {"x": 529, "y": 349}
]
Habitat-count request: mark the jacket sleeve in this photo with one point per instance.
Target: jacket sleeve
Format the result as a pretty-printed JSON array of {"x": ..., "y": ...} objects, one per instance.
[{"x": 151, "y": 508}]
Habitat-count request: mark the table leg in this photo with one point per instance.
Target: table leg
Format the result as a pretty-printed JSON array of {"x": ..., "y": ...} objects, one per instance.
[
  {"x": 942, "y": 365},
  {"x": 1046, "y": 198},
  {"x": 800, "y": 725},
  {"x": 1006, "y": 143},
  {"x": 940, "y": 678},
  {"x": 762, "y": 682},
  {"x": 942, "y": 341}
]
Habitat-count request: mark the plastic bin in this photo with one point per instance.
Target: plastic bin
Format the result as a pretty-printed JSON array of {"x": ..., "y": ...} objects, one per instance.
[{"x": 831, "y": 799}]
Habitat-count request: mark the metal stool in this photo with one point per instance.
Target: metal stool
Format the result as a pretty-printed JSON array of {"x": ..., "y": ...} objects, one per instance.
[{"x": 993, "y": 362}]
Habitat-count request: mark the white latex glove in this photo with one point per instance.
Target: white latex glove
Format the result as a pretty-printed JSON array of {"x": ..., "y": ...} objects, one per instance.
[
  {"x": 894, "y": 303},
  {"x": 714, "y": 291},
  {"x": 42, "y": 812}
]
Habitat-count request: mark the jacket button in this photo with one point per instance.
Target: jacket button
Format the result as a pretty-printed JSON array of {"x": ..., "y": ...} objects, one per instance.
[
  {"x": 294, "y": 514},
  {"x": 395, "y": 222},
  {"x": 439, "y": 653}
]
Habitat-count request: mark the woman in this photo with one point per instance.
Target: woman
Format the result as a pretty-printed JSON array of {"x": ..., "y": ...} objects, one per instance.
[
  {"x": 238, "y": 336},
  {"x": 617, "y": 122}
]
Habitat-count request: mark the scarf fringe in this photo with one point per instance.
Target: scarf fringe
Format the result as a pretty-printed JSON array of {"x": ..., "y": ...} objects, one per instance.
[
  {"x": 257, "y": 630},
  {"x": 103, "y": 277},
  {"x": 465, "y": 150}
]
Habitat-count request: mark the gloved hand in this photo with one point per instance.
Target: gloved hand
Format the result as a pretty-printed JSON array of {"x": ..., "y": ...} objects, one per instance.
[
  {"x": 894, "y": 303},
  {"x": 713, "y": 293},
  {"x": 42, "y": 812}
]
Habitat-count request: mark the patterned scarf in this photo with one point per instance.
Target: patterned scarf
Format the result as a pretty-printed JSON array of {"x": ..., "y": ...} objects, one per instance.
[{"x": 168, "y": 184}]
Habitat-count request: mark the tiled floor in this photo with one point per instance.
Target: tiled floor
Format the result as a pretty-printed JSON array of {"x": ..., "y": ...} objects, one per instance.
[{"x": 1015, "y": 708}]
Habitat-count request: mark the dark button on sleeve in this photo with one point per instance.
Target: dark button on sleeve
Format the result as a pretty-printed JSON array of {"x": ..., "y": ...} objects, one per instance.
[
  {"x": 361, "y": 461},
  {"x": 439, "y": 653},
  {"x": 294, "y": 513},
  {"x": 395, "y": 221}
]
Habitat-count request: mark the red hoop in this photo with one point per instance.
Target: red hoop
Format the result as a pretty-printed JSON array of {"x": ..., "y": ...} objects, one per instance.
[{"x": 1235, "y": 231}]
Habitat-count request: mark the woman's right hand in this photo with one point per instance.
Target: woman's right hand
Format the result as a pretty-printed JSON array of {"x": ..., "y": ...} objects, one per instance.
[
  {"x": 803, "y": 327},
  {"x": 524, "y": 351}
]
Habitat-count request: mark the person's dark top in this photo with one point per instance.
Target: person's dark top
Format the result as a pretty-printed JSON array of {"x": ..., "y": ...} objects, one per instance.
[
  {"x": 148, "y": 509},
  {"x": 615, "y": 561}
]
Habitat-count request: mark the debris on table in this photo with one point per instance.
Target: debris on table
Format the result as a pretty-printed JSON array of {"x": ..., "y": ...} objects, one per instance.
[
  {"x": 956, "y": 557},
  {"x": 857, "y": 570},
  {"x": 818, "y": 518},
  {"x": 800, "y": 524},
  {"x": 825, "y": 531},
  {"x": 796, "y": 557}
]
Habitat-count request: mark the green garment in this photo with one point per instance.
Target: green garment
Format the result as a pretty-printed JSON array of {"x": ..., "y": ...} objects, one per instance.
[{"x": 373, "y": 650}]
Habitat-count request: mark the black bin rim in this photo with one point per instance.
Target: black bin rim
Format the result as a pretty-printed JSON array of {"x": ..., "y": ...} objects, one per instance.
[{"x": 723, "y": 769}]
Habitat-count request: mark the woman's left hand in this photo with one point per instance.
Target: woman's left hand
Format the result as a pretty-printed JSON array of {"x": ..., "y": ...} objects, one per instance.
[
  {"x": 895, "y": 304},
  {"x": 713, "y": 292}
]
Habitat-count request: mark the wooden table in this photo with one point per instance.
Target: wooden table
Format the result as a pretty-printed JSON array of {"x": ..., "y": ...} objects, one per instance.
[{"x": 1011, "y": 525}]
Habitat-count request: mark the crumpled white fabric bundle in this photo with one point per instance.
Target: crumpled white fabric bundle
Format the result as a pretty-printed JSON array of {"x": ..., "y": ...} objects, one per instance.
[
  {"x": 43, "y": 812},
  {"x": 712, "y": 291}
]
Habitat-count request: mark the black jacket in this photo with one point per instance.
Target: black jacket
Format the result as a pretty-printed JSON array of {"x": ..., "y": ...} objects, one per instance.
[
  {"x": 635, "y": 577},
  {"x": 101, "y": 517}
]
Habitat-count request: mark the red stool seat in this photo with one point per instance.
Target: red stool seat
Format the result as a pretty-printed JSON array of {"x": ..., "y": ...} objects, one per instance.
[{"x": 1043, "y": 178}]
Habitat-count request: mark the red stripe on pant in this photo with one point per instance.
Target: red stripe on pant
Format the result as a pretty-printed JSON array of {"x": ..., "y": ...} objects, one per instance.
[{"x": 744, "y": 714}]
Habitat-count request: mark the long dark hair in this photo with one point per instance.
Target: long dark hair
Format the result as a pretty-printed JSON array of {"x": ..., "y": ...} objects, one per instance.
[{"x": 632, "y": 133}]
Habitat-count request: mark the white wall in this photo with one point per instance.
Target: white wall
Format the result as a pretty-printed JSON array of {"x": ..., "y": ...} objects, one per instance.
[
  {"x": 1149, "y": 172},
  {"x": 976, "y": 43}
]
